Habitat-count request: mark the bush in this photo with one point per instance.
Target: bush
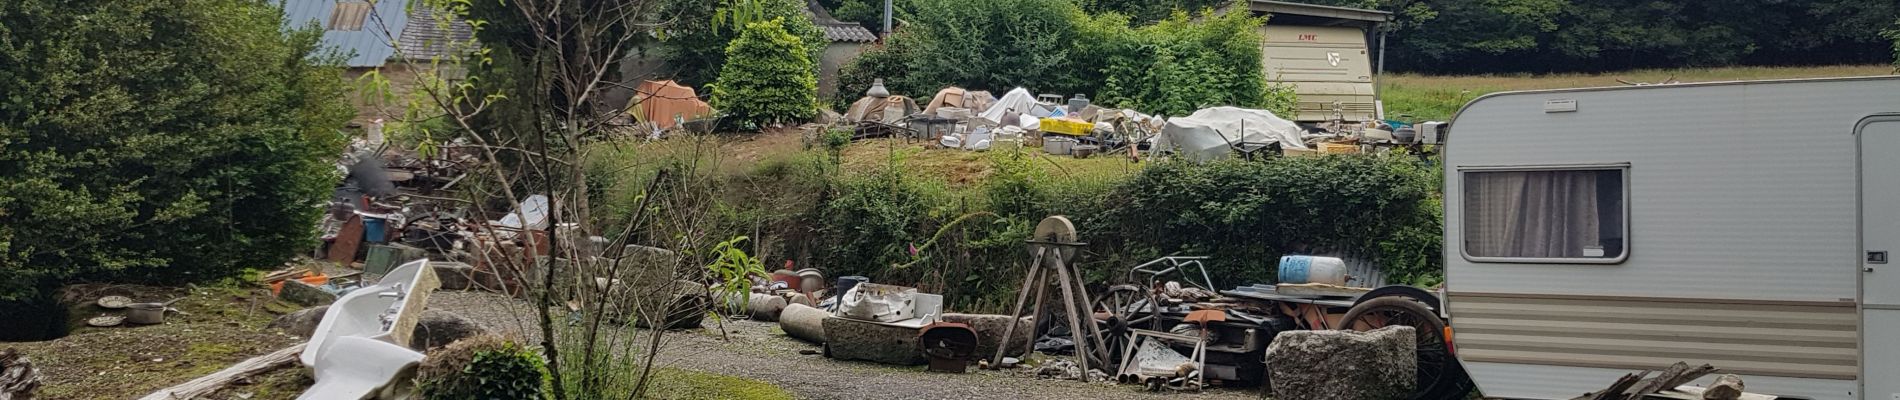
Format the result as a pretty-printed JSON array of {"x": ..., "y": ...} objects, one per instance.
[
  {"x": 1248, "y": 214},
  {"x": 871, "y": 222},
  {"x": 1174, "y": 67},
  {"x": 768, "y": 77},
  {"x": 162, "y": 141},
  {"x": 695, "y": 50},
  {"x": 1180, "y": 65},
  {"x": 483, "y": 368}
]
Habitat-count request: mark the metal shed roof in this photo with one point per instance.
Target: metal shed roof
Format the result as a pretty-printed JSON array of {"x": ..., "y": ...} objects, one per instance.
[
  {"x": 369, "y": 47},
  {"x": 835, "y": 30},
  {"x": 1314, "y": 14}
]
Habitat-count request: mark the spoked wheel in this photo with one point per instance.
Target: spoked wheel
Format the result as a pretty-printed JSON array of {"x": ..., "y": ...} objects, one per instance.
[
  {"x": 1121, "y": 309},
  {"x": 1439, "y": 374}
]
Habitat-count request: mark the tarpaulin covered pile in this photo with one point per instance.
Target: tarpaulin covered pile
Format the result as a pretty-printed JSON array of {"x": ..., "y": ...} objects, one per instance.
[{"x": 1211, "y": 132}]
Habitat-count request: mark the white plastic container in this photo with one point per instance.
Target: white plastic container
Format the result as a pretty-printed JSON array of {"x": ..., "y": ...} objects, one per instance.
[{"x": 1311, "y": 269}]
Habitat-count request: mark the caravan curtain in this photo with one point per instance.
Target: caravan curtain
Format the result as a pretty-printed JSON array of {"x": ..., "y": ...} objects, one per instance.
[{"x": 1543, "y": 214}]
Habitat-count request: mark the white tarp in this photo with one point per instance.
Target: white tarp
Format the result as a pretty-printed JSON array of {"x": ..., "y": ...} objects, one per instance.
[
  {"x": 1207, "y": 133},
  {"x": 1017, "y": 99}
]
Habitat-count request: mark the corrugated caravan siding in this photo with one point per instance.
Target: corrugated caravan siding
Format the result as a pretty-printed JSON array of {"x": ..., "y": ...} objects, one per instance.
[{"x": 1806, "y": 340}]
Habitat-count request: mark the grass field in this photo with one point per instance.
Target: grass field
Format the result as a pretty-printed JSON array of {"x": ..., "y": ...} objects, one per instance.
[{"x": 1428, "y": 97}]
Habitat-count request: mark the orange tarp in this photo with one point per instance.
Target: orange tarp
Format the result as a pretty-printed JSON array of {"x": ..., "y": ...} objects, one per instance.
[{"x": 665, "y": 102}]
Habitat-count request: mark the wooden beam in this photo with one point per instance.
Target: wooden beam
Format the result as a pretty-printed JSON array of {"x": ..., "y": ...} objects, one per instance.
[{"x": 208, "y": 384}]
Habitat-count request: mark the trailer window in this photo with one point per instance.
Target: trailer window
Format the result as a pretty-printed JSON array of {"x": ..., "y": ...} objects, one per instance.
[{"x": 1567, "y": 215}]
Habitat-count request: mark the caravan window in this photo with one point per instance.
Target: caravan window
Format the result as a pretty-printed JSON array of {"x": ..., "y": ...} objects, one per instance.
[{"x": 1555, "y": 215}]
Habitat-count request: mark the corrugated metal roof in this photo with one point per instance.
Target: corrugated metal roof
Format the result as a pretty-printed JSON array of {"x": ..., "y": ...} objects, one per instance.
[
  {"x": 369, "y": 47},
  {"x": 427, "y": 38},
  {"x": 835, "y": 30},
  {"x": 848, "y": 33}
]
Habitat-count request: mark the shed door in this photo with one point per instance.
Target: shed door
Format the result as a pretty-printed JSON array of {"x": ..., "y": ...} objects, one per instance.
[{"x": 1880, "y": 243}]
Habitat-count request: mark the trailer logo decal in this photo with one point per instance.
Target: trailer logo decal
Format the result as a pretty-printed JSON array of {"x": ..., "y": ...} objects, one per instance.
[{"x": 1332, "y": 58}]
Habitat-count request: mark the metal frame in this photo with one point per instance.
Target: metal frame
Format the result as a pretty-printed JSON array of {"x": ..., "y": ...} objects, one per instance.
[{"x": 1199, "y": 357}]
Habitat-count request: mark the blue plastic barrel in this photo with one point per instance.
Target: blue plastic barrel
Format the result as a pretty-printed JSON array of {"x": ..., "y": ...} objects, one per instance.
[{"x": 373, "y": 229}]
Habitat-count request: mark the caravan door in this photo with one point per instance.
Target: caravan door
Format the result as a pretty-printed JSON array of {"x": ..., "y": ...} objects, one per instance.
[{"x": 1880, "y": 243}]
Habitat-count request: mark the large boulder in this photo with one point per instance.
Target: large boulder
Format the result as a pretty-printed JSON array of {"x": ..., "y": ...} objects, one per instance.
[
  {"x": 1343, "y": 365},
  {"x": 850, "y": 339},
  {"x": 989, "y": 332},
  {"x": 435, "y": 329}
]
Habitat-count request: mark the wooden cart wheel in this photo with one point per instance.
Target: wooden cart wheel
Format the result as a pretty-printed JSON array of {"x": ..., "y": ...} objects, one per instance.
[
  {"x": 1439, "y": 374},
  {"x": 1120, "y": 310}
]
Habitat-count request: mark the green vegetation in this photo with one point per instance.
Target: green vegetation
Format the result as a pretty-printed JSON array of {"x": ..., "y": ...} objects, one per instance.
[
  {"x": 1174, "y": 67},
  {"x": 953, "y": 222},
  {"x": 768, "y": 77},
  {"x": 483, "y": 368},
  {"x": 162, "y": 141},
  {"x": 1431, "y": 97},
  {"x": 1483, "y": 36},
  {"x": 680, "y": 384},
  {"x": 694, "y": 43},
  {"x": 1180, "y": 65}
]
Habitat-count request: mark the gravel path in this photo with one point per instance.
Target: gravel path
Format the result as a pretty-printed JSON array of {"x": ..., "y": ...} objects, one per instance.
[{"x": 758, "y": 350}]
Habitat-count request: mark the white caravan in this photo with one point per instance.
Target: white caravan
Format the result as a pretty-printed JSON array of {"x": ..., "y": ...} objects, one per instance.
[{"x": 1590, "y": 233}]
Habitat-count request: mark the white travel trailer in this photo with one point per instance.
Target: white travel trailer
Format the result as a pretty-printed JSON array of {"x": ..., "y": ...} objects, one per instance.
[{"x": 1591, "y": 233}]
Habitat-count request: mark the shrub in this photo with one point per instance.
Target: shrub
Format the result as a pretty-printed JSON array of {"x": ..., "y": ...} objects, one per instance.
[
  {"x": 889, "y": 61},
  {"x": 871, "y": 221},
  {"x": 1180, "y": 65},
  {"x": 1247, "y": 214},
  {"x": 991, "y": 44},
  {"x": 483, "y": 368},
  {"x": 1171, "y": 68},
  {"x": 768, "y": 77},
  {"x": 695, "y": 49},
  {"x": 162, "y": 141}
]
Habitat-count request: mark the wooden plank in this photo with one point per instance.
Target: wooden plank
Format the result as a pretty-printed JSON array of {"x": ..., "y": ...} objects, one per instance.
[
  {"x": 205, "y": 385},
  {"x": 1319, "y": 289}
]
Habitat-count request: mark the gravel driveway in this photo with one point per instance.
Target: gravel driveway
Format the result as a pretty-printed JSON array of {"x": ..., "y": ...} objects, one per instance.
[{"x": 758, "y": 350}]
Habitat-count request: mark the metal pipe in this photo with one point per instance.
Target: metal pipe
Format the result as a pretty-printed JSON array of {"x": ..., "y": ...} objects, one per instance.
[{"x": 887, "y": 17}]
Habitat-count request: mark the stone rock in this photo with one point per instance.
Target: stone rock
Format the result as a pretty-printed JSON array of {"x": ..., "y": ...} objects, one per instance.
[
  {"x": 18, "y": 378},
  {"x": 803, "y": 322},
  {"x": 461, "y": 276},
  {"x": 685, "y": 304},
  {"x": 440, "y": 328},
  {"x": 305, "y": 294},
  {"x": 300, "y": 322},
  {"x": 989, "y": 332},
  {"x": 1344, "y": 365},
  {"x": 850, "y": 339},
  {"x": 435, "y": 329}
]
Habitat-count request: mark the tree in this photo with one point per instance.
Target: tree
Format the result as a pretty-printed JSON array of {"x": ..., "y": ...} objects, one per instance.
[
  {"x": 162, "y": 141},
  {"x": 695, "y": 47},
  {"x": 767, "y": 77},
  {"x": 1894, "y": 34}
]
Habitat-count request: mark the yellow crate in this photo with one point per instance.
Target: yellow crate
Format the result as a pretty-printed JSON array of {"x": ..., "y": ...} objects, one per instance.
[
  {"x": 1338, "y": 148},
  {"x": 1067, "y": 126}
]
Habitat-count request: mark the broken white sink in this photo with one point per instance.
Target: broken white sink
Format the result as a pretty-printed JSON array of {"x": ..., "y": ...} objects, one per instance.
[{"x": 362, "y": 343}]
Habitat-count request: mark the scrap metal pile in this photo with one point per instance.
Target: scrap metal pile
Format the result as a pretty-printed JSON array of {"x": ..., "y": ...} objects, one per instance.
[{"x": 959, "y": 118}]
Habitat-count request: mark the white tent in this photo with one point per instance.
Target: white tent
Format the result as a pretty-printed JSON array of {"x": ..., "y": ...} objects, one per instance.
[
  {"x": 1208, "y": 133},
  {"x": 1017, "y": 99}
]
